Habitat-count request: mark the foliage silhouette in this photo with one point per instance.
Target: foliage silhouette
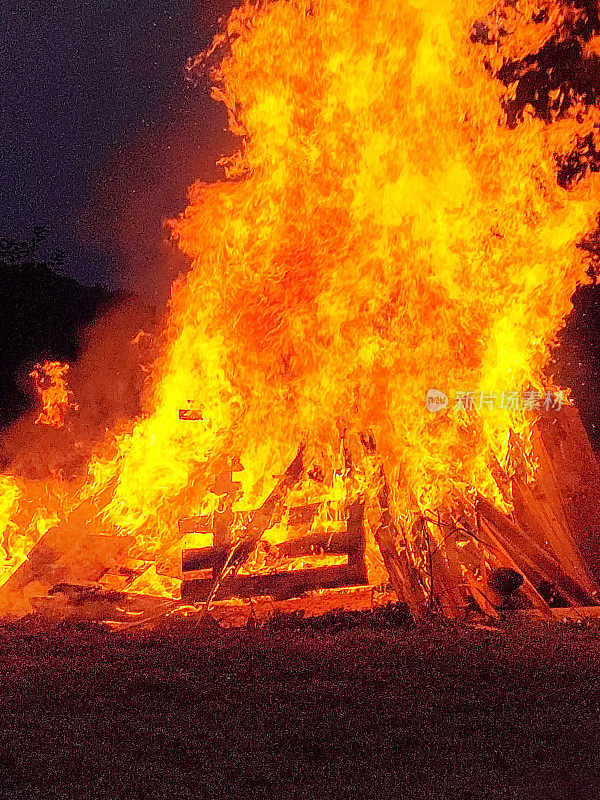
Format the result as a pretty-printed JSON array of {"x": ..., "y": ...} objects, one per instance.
[{"x": 41, "y": 312}]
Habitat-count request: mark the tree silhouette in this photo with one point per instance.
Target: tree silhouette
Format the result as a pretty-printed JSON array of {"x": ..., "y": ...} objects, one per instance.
[{"x": 41, "y": 312}]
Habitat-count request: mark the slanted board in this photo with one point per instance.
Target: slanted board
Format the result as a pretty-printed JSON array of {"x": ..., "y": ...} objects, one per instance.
[
  {"x": 513, "y": 549},
  {"x": 569, "y": 478},
  {"x": 60, "y": 556},
  {"x": 98, "y": 603}
]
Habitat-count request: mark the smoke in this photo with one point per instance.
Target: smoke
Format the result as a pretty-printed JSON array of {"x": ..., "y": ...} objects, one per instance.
[
  {"x": 144, "y": 179},
  {"x": 107, "y": 383}
]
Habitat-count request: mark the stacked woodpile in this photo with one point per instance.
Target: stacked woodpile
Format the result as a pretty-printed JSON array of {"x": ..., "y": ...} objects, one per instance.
[{"x": 543, "y": 557}]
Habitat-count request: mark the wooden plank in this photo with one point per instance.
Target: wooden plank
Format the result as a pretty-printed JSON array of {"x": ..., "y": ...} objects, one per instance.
[
  {"x": 261, "y": 609},
  {"x": 325, "y": 542},
  {"x": 97, "y": 603},
  {"x": 399, "y": 569},
  {"x": 123, "y": 573},
  {"x": 59, "y": 557},
  {"x": 195, "y": 558},
  {"x": 280, "y": 585},
  {"x": 569, "y": 475},
  {"x": 446, "y": 587},
  {"x": 303, "y": 515},
  {"x": 201, "y": 524},
  {"x": 531, "y": 559},
  {"x": 503, "y": 537},
  {"x": 577, "y": 614},
  {"x": 258, "y": 522},
  {"x": 479, "y": 593},
  {"x": 529, "y": 587},
  {"x": 192, "y": 414},
  {"x": 449, "y": 582},
  {"x": 544, "y": 523}
]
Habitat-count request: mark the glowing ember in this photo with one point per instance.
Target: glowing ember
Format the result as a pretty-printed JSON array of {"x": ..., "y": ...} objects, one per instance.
[{"x": 382, "y": 232}]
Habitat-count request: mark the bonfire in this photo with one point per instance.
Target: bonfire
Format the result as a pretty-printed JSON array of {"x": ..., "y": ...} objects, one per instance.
[{"x": 351, "y": 403}]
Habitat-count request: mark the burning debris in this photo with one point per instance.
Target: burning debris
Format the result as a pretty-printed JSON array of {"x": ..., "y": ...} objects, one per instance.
[
  {"x": 56, "y": 398},
  {"x": 397, "y": 218}
]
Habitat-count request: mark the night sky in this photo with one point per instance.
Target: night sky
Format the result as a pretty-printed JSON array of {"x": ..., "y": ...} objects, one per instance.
[{"x": 101, "y": 133}]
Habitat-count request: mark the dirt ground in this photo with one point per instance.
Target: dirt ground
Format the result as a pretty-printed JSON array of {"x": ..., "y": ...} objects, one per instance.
[{"x": 439, "y": 713}]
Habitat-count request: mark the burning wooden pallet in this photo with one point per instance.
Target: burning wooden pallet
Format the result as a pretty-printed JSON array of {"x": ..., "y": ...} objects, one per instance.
[{"x": 281, "y": 584}]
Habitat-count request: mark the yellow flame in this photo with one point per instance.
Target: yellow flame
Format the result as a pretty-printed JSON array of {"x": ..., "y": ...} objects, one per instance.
[{"x": 381, "y": 232}]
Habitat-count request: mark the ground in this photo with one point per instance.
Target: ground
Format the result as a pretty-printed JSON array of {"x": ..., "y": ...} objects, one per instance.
[{"x": 442, "y": 712}]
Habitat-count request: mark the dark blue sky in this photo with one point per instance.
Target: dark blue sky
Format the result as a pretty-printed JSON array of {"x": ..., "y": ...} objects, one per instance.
[{"x": 100, "y": 132}]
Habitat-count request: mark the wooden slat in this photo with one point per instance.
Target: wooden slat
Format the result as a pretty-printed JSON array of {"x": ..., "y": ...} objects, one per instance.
[
  {"x": 280, "y": 585},
  {"x": 545, "y": 523},
  {"x": 569, "y": 475}
]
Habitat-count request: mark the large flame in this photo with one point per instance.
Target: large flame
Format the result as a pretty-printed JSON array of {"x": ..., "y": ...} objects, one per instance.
[{"x": 382, "y": 231}]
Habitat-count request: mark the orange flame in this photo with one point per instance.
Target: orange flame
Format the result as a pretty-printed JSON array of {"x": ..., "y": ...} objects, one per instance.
[
  {"x": 57, "y": 399},
  {"x": 381, "y": 232}
]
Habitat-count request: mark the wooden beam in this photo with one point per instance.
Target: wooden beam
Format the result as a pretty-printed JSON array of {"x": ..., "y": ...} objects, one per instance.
[
  {"x": 280, "y": 585},
  {"x": 504, "y": 539},
  {"x": 569, "y": 476}
]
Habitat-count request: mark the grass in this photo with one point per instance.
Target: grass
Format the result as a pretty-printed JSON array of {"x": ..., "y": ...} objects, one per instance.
[{"x": 442, "y": 712}]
